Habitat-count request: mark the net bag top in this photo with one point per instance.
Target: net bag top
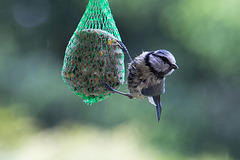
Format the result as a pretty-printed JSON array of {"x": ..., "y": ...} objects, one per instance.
[{"x": 98, "y": 16}]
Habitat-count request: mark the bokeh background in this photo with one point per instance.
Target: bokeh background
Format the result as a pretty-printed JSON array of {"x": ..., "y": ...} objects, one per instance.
[{"x": 41, "y": 119}]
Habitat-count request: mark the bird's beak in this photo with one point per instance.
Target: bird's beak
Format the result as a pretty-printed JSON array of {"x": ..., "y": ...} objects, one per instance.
[{"x": 174, "y": 66}]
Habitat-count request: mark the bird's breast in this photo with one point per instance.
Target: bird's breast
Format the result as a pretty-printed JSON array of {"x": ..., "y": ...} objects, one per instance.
[{"x": 140, "y": 77}]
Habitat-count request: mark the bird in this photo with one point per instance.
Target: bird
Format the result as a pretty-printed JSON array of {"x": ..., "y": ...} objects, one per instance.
[{"x": 146, "y": 76}]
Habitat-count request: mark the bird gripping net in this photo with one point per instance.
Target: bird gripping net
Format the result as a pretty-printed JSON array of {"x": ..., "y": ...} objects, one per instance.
[{"x": 93, "y": 55}]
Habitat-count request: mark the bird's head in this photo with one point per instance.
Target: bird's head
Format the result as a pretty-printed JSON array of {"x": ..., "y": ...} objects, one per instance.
[{"x": 162, "y": 62}]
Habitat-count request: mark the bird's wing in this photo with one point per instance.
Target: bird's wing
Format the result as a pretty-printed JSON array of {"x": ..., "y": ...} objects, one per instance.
[{"x": 154, "y": 90}]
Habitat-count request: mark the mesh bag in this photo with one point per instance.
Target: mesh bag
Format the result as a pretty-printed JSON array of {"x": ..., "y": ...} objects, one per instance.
[{"x": 93, "y": 55}]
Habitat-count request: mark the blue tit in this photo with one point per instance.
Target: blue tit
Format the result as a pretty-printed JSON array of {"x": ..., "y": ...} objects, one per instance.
[{"x": 146, "y": 76}]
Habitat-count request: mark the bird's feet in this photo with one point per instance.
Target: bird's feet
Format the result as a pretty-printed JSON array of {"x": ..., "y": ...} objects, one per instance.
[{"x": 106, "y": 85}]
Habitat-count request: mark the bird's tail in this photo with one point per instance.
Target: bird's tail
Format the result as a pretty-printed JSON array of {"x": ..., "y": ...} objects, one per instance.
[{"x": 155, "y": 100}]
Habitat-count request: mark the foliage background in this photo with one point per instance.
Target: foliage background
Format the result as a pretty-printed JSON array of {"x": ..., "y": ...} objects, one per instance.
[{"x": 40, "y": 118}]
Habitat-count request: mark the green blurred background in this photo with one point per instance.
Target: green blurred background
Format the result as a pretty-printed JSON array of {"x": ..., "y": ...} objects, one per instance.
[{"x": 40, "y": 118}]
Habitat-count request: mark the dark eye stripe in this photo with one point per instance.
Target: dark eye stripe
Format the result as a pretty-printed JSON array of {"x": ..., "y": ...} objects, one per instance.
[{"x": 163, "y": 58}]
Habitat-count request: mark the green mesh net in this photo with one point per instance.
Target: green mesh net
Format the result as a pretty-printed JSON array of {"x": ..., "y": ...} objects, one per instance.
[{"x": 93, "y": 55}]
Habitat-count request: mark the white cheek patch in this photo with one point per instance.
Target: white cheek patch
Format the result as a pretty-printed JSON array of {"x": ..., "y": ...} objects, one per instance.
[{"x": 156, "y": 63}]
